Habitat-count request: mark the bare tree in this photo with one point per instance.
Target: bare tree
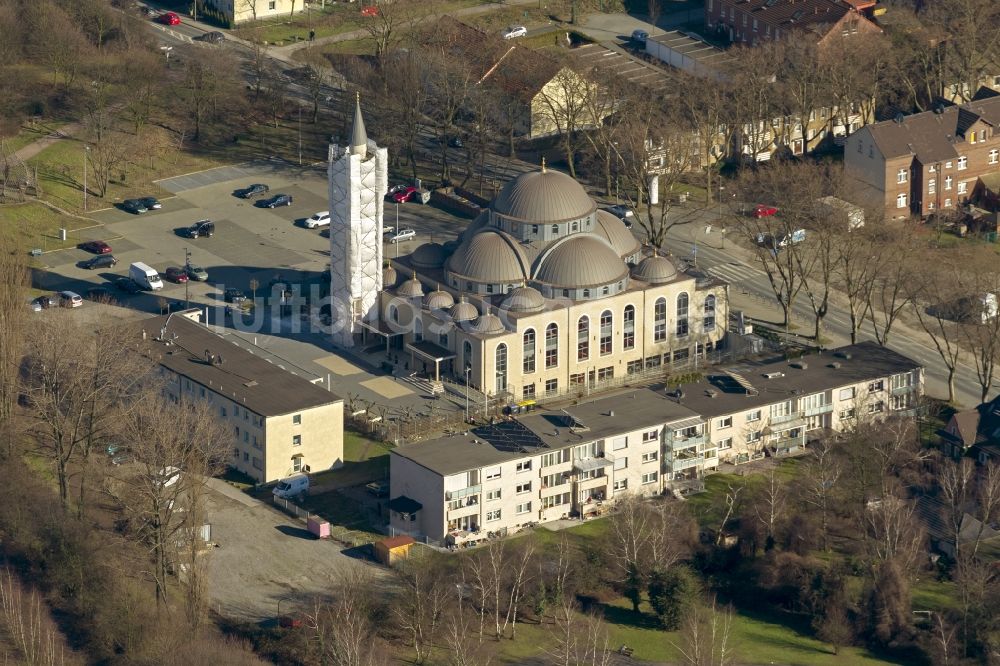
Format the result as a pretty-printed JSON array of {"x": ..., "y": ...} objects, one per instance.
[
  {"x": 706, "y": 637},
  {"x": 818, "y": 484},
  {"x": 892, "y": 292},
  {"x": 28, "y": 625},
  {"x": 13, "y": 326},
  {"x": 732, "y": 502},
  {"x": 564, "y": 108},
  {"x": 770, "y": 503},
  {"x": 343, "y": 629},
  {"x": 939, "y": 305},
  {"x": 424, "y": 592}
]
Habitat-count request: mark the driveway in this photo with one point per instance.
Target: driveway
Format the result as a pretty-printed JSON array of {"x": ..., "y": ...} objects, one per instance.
[
  {"x": 266, "y": 559},
  {"x": 612, "y": 27}
]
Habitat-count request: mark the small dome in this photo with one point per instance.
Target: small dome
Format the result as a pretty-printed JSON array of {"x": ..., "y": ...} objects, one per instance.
[
  {"x": 411, "y": 288},
  {"x": 616, "y": 233},
  {"x": 655, "y": 270},
  {"x": 428, "y": 255},
  {"x": 438, "y": 300},
  {"x": 488, "y": 324},
  {"x": 581, "y": 261},
  {"x": 489, "y": 256},
  {"x": 524, "y": 299},
  {"x": 463, "y": 311},
  {"x": 389, "y": 278},
  {"x": 543, "y": 196}
]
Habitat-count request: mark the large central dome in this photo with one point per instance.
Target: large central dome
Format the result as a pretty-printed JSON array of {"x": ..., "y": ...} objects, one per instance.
[{"x": 543, "y": 196}]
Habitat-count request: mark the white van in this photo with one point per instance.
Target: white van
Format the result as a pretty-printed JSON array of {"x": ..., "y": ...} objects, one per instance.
[
  {"x": 293, "y": 486},
  {"x": 145, "y": 276}
]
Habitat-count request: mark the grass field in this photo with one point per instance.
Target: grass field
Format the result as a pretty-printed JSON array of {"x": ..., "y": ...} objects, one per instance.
[
  {"x": 29, "y": 134},
  {"x": 35, "y": 225}
]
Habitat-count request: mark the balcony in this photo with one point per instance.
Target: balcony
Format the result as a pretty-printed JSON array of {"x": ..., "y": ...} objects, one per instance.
[
  {"x": 816, "y": 411},
  {"x": 562, "y": 486},
  {"x": 596, "y": 482},
  {"x": 785, "y": 418},
  {"x": 462, "y": 511},
  {"x": 464, "y": 492},
  {"x": 902, "y": 390},
  {"x": 675, "y": 443},
  {"x": 678, "y": 464}
]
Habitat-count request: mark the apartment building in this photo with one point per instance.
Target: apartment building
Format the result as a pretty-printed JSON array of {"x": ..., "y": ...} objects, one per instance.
[
  {"x": 574, "y": 461},
  {"x": 281, "y": 423},
  {"x": 241, "y": 11},
  {"x": 925, "y": 162},
  {"x": 753, "y": 21}
]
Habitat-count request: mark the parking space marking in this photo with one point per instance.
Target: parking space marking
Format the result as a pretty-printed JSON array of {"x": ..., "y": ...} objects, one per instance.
[
  {"x": 386, "y": 387},
  {"x": 338, "y": 366}
]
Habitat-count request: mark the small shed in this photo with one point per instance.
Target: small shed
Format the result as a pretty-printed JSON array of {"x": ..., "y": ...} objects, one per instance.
[{"x": 389, "y": 551}]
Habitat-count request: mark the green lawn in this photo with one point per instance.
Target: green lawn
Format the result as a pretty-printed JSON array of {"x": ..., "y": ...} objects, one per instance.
[
  {"x": 35, "y": 225},
  {"x": 756, "y": 639},
  {"x": 29, "y": 134},
  {"x": 930, "y": 594}
]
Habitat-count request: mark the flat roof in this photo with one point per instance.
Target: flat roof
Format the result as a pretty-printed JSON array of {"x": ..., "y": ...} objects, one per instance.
[
  {"x": 549, "y": 430},
  {"x": 182, "y": 345},
  {"x": 625, "y": 411},
  {"x": 717, "y": 395},
  {"x": 696, "y": 49},
  {"x": 624, "y": 66}
]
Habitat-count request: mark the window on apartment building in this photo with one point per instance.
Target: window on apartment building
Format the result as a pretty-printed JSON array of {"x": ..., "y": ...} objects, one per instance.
[
  {"x": 745, "y": 19},
  {"x": 726, "y": 443},
  {"x": 578, "y": 379},
  {"x": 932, "y": 186},
  {"x": 848, "y": 414},
  {"x": 753, "y": 437},
  {"x": 246, "y": 457},
  {"x": 555, "y": 500},
  {"x": 876, "y": 407},
  {"x": 528, "y": 391},
  {"x": 492, "y": 473},
  {"x": 523, "y": 466},
  {"x": 650, "y": 436},
  {"x": 297, "y": 419},
  {"x": 994, "y": 156},
  {"x": 236, "y": 452},
  {"x": 551, "y": 347},
  {"x": 257, "y": 464},
  {"x": 660, "y": 320},
  {"x": 296, "y": 463},
  {"x": 246, "y": 437},
  {"x": 904, "y": 401},
  {"x": 962, "y": 187},
  {"x": 620, "y": 464},
  {"x": 650, "y": 456},
  {"x": 555, "y": 458},
  {"x": 947, "y": 165},
  {"x": 628, "y": 327},
  {"x": 493, "y": 495},
  {"x": 528, "y": 352},
  {"x": 523, "y": 488},
  {"x": 493, "y": 515},
  {"x": 753, "y": 416},
  {"x": 931, "y": 206},
  {"x": 972, "y": 136},
  {"x": 296, "y": 440},
  {"x": 708, "y": 323},
  {"x": 523, "y": 508},
  {"x": 963, "y": 163},
  {"x": 902, "y": 380},
  {"x": 222, "y": 412},
  {"x": 682, "y": 314},
  {"x": 901, "y": 201},
  {"x": 947, "y": 203},
  {"x": 237, "y": 429},
  {"x": 724, "y": 423},
  {"x": 877, "y": 385},
  {"x": 619, "y": 443},
  {"x": 604, "y": 374},
  {"x": 620, "y": 484},
  {"x": 607, "y": 326},
  {"x": 551, "y": 386},
  {"x": 583, "y": 338},
  {"x": 650, "y": 477},
  {"x": 755, "y": 25},
  {"x": 783, "y": 408},
  {"x": 901, "y": 176},
  {"x": 846, "y": 393},
  {"x": 201, "y": 389}
]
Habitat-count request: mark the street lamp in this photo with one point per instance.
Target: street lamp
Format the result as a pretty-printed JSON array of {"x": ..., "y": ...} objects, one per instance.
[
  {"x": 722, "y": 219},
  {"x": 396, "y": 231},
  {"x": 468, "y": 369},
  {"x": 187, "y": 264},
  {"x": 86, "y": 153}
]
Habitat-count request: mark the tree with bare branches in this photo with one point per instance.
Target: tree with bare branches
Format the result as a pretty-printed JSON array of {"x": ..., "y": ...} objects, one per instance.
[{"x": 706, "y": 637}]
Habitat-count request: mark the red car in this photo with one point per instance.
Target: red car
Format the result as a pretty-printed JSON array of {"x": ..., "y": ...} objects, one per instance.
[
  {"x": 96, "y": 246},
  {"x": 403, "y": 194},
  {"x": 175, "y": 274},
  {"x": 764, "y": 211},
  {"x": 169, "y": 18}
]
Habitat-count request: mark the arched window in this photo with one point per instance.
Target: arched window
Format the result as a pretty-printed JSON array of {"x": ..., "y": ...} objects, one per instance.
[
  {"x": 551, "y": 346},
  {"x": 528, "y": 352},
  {"x": 418, "y": 330},
  {"x": 501, "y": 368},
  {"x": 586, "y": 293},
  {"x": 709, "y": 321},
  {"x": 682, "y": 314},
  {"x": 467, "y": 353},
  {"x": 607, "y": 324},
  {"x": 660, "y": 320},
  {"x": 583, "y": 339},
  {"x": 555, "y": 229},
  {"x": 394, "y": 314},
  {"x": 628, "y": 327}
]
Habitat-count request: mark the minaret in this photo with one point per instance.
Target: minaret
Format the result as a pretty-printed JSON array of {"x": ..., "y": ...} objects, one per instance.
[{"x": 358, "y": 176}]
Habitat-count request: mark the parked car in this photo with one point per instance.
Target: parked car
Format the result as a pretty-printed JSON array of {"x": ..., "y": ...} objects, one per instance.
[
  {"x": 127, "y": 285},
  {"x": 620, "y": 211},
  {"x": 43, "y": 303},
  {"x": 296, "y": 485},
  {"x": 169, "y": 18},
  {"x": 234, "y": 295},
  {"x": 321, "y": 219},
  {"x": 100, "y": 261},
  {"x": 176, "y": 274},
  {"x": 151, "y": 203},
  {"x": 255, "y": 190},
  {"x": 404, "y": 193},
  {"x": 134, "y": 206},
  {"x": 515, "y": 31},
  {"x": 211, "y": 37},
  {"x": 196, "y": 273},
  {"x": 70, "y": 299},
  {"x": 277, "y": 200},
  {"x": 403, "y": 235},
  {"x": 763, "y": 210},
  {"x": 640, "y": 37},
  {"x": 201, "y": 228},
  {"x": 96, "y": 246}
]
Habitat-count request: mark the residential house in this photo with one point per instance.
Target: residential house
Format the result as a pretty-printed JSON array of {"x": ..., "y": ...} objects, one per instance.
[
  {"x": 974, "y": 432},
  {"x": 753, "y": 21},
  {"x": 574, "y": 461},
  {"x": 932, "y": 513},
  {"x": 926, "y": 162},
  {"x": 281, "y": 422},
  {"x": 241, "y": 11}
]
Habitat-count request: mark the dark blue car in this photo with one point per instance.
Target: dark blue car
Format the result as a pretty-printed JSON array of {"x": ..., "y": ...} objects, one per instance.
[{"x": 277, "y": 200}]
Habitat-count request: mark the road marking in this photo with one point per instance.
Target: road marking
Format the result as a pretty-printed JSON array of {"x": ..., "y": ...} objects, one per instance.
[{"x": 735, "y": 273}]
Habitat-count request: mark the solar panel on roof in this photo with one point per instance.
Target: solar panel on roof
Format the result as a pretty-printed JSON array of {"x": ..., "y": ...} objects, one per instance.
[{"x": 510, "y": 436}]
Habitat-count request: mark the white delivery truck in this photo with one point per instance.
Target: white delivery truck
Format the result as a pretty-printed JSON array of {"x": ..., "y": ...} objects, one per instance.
[
  {"x": 294, "y": 486},
  {"x": 145, "y": 276}
]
